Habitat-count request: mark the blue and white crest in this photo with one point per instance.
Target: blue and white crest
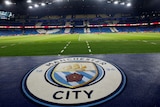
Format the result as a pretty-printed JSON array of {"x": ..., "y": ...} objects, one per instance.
[
  {"x": 78, "y": 81},
  {"x": 74, "y": 74}
]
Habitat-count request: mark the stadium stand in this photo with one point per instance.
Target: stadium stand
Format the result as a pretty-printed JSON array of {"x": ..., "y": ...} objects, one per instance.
[
  {"x": 80, "y": 16},
  {"x": 127, "y": 29},
  {"x": 8, "y": 32},
  {"x": 68, "y": 16},
  {"x": 91, "y": 16},
  {"x": 78, "y": 30},
  {"x": 80, "y": 23},
  {"x": 95, "y": 30},
  {"x": 157, "y": 29},
  {"x": 106, "y": 29},
  {"x": 30, "y": 32}
]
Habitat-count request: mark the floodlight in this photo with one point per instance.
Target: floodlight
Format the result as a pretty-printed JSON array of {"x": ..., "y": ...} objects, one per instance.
[
  {"x": 43, "y": 4},
  {"x": 115, "y": 2},
  {"x": 128, "y": 4},
  {"x": 122, "y": 3},
  {"x": 30, "y": 7},
  {"x": 36, "y": 5},
  {"x": 29, "y": 1},
  {"x": 8, "y": 2}
]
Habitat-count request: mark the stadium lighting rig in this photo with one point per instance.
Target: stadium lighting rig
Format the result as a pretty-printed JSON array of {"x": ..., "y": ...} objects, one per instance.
[
  {"x": 34, "y": 4},
  {"x": 43, "y": 4},
  {"x": 9, "y": 2},
  {"x": 29, "y": 1},
  {"x": 122, "y": 3},
  {"x": 128, "y": 4},
  {"x": 115, "y": 2}
]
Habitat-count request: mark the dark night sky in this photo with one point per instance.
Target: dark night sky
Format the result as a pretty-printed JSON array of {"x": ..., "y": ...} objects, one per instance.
[{"x": 81, "y": 7}]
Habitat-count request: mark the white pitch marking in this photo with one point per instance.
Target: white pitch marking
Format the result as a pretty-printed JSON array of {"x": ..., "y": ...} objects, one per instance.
[
  {"x": 62, "y": 51},
  {"x": 145, "y": 41},
  {"x": 64, "y": 48},
  {"x": 153, "y": 43},
  {"x": 89, "y": 48},
  {"x": 3, "y": 46},
  {"x": 79, "y": 38},
  {"x": 13, "y": 44}
]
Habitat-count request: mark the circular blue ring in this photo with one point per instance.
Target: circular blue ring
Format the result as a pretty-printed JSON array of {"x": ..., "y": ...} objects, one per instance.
[{"x": 93, "y": 103}]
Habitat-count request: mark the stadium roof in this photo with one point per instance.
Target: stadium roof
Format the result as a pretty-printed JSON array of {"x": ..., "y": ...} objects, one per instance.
[{"x": 52, "y": 7}]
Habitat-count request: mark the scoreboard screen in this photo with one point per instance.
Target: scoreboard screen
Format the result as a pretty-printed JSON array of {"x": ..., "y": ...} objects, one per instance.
[{"x": 6, "y": 15}]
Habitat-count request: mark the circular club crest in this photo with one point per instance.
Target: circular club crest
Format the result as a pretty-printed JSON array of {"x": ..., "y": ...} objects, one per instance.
[{"x": 74, "y": 81}]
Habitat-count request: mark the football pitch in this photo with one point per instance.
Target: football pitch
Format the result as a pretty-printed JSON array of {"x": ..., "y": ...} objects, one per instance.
[{"x": 79, "y": 44}]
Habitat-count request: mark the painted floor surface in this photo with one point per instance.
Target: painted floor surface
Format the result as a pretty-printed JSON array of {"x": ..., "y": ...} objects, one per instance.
[{"x": 142, "y": 71}]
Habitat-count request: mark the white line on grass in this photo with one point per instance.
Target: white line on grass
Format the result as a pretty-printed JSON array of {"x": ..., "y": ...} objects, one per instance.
[
  {"x": 79, "y": 38},
  {"x": 62, "y": 51},
  {"x": 87, "y": 43},
  {"x": 145, "y": 41},
  {"x": 153, "y": 43},
  {"x": 3, "y": 46},
  {"x": 89, "y": 48},
  {"x": 13, "y": 44},
  {"x": 64, "y": 48}
]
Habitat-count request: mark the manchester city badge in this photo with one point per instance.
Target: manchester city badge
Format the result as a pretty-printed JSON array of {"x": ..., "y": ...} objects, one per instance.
[
  {"x": 74, "y": 74},
  {"x": 74, "y": 81}
]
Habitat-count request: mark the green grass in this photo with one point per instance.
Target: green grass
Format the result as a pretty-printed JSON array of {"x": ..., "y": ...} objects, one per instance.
[{"x": 109, "y": 43}]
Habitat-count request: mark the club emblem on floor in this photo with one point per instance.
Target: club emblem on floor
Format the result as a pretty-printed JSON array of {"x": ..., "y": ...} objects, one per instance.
[
  {"x": 73, "y": 81},
  {"x": 74, "y": 74}
]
